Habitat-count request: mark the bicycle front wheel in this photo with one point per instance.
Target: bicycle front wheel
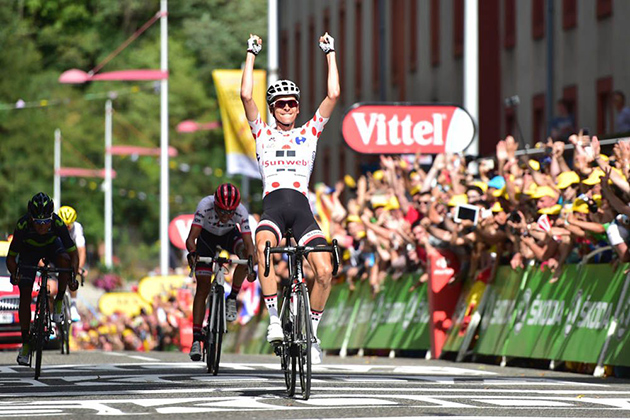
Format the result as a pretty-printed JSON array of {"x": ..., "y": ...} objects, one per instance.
[
  {"x": 41, "y": 317},
  {"x": 304, "y": 335},
  {"x": 64, "y": 327},
  {"x": 215, "y": 331},
  {"x": 287, "y": 362}
]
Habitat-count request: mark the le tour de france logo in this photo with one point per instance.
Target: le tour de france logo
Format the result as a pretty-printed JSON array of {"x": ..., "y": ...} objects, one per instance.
[{"x": 407, "y": 128}]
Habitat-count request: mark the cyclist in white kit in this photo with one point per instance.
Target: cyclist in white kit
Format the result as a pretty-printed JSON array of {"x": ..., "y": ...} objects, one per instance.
[{"x": 286, "y": 155}]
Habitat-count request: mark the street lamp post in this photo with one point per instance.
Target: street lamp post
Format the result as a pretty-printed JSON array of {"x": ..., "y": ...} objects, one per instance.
[
  {"x": 108, "y": 185},
  {"x": 164, "y": 241},
  {"x": 76, "y": 76},
  {"x": 56, "y": 176}
]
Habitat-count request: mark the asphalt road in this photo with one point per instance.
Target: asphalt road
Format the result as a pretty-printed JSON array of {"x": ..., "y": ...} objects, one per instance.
[{"x": 168, "y": 385}]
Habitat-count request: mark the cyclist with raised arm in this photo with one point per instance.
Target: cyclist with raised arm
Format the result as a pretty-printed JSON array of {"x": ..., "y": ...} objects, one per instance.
[
  {"x": 220, "y": 220},
  {"x": 286, "y": 155},
  {"x": 40, "y": 234},
  {"x": 69, "y": 217}
]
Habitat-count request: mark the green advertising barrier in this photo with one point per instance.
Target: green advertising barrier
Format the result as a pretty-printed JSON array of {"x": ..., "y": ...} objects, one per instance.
[
  {"x": 387, "y": 314},
  {"x": 327, "y": 331},
  {"x": 363, "y": 307},
  {"x": 413, "y": 332},
  {"x": 498, "y": 313},
  {"x": 617, "y": 352}
]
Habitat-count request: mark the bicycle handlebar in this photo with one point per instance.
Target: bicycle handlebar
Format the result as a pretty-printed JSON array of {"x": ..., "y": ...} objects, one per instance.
[
  {"x": 302, "y": 250},
  {"x": 249, "y": 262}
]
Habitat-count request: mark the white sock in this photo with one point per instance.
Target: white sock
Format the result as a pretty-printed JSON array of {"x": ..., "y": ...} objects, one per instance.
[
  {"x": 316, "y": 316},
  {"x": 271, "y": 302}
]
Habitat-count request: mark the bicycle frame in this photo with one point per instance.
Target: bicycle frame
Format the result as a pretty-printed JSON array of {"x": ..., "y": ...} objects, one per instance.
[
  {"x": 42, "y": 325},
  {"x": 217, "y": 318},
  {"x": 295, "y": 313}
]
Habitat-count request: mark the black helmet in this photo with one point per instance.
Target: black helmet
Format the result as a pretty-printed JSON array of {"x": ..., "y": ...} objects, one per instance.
[{"x": 41, "y": 206}]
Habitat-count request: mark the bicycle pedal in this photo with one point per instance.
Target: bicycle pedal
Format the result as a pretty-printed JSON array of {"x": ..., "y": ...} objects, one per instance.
[{"x": 277, "y": 349}]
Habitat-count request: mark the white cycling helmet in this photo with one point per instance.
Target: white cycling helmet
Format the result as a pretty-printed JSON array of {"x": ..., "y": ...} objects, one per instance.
[{"x": 282, "y": 88}]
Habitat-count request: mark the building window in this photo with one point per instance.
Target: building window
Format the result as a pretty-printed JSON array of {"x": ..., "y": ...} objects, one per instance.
[
  {"x": 358, "y": 47},
  {"x": 538, "y": 19},
  {"x": 413, "y": 35},
  {"x": 604, "y": 9},
  {"x": 284, "y": 58},
  {"x": 569, "y": 14},
  {"x": 539, "y": 132},
  {"x": 397, "y": 39},
  {"x": 375, "y": 46},
  {"x": 296, "y": 54},
  {"x": 604, "y": 110},
  {"x": 311, "y": 59},
  {"x": 509, "y": 23},
  {"x": 458, "y": 28},
  {"x": 435, "y": 32}
]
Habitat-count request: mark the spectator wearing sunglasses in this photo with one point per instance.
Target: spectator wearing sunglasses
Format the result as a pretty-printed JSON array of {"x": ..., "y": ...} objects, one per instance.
[
  {"x": 222, "y": 221},
  {"x": 40, "y": 234},
  {"x": 286, "y": 155}
]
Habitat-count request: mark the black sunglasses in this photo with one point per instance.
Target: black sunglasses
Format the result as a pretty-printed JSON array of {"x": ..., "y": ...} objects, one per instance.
[
  {"x": 224, "y": 212},
  {"x": 42, "y": 221},
  {"x": 281, "y": 103}
]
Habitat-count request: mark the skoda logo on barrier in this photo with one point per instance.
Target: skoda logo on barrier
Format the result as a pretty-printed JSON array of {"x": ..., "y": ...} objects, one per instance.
[
  {"x": 624, "y": 319},
  {"x": 573, "y": 315},
  {"x": 522, "y": 309},
  {"x": 407, "y": 128}
]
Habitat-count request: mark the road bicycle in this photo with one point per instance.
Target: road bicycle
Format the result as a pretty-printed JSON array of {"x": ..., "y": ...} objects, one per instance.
[
  {"x": 63, "y": 328},
  {"x": 295, "y": 314},
  {"x": 217, "y": 323},
  {"x": 41, "y": 327}
]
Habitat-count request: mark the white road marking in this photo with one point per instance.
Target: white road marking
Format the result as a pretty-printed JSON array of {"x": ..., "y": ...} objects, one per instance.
[
  {"x": 525, "y": 403},
  {"x": 131, "y": 356},
  {"x": 347, "y": 402}
]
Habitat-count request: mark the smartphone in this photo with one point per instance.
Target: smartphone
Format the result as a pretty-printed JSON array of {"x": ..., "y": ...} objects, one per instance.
[{"x": 466, "y": 212}]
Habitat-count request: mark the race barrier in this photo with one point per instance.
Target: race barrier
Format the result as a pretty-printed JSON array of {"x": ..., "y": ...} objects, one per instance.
[{"x": 583, "y": 317}]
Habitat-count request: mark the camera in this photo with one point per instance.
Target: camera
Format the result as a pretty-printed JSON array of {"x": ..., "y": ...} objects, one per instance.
[{"x": 514, "y": 217}]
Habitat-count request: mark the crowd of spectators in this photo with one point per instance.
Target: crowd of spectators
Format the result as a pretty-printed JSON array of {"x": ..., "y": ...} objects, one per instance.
[
  {"x": 156, "y": 329},
  {"x": 549, "y": 208}
]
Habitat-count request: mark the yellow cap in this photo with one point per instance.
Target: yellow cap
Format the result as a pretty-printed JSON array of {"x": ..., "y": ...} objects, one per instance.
[
  {"x": 544, "y": 191},
  {"x": 458, "y": 199},
  {"x": 415, "y": 189},
  {"x": 604, "y": 157},
  {"x": 499, "y": 193},
  {"x": 565, "y": 179},
  {"x": 595, "y": 177},
  {"x": 531, "y": 189},
  {"x": 481, "y": 185},
  {"x": 580, "y": 206},
  {"x": 534, "y": 164},
  {"x": 353, "y": 218},
  {"x": 379, "y": 201},
  {"x": 349, "y": 181},
  {"x": 551, "y": 210},
  {"x": 378, "y": 175},
  {"x": 496, "y": 207},
  {"x": 392, "y": 204}
]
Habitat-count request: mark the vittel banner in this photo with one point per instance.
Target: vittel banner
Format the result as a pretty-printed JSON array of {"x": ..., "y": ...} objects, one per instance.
[{"x": 407, "y": 128}]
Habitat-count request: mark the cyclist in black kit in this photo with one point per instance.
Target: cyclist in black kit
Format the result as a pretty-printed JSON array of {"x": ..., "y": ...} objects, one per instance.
[{"x": 40, "y": 234}]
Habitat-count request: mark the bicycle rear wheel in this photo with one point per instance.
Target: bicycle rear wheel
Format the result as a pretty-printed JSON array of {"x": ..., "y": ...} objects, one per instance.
[
  {"x": 304, "y": 334},
  {"x": 215, "y": 330},
  {"x": 41, "y": 317}
]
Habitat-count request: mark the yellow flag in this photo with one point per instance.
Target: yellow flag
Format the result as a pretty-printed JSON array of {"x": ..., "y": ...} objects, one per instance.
[{"x": 240, "y": 147}]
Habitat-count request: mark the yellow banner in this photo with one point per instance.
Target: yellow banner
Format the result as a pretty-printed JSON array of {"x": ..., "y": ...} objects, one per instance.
[
  {"x": 149, "y": 287},
  {"x": 240, "y": 147},
  {"x": 128, "y": 303}
]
